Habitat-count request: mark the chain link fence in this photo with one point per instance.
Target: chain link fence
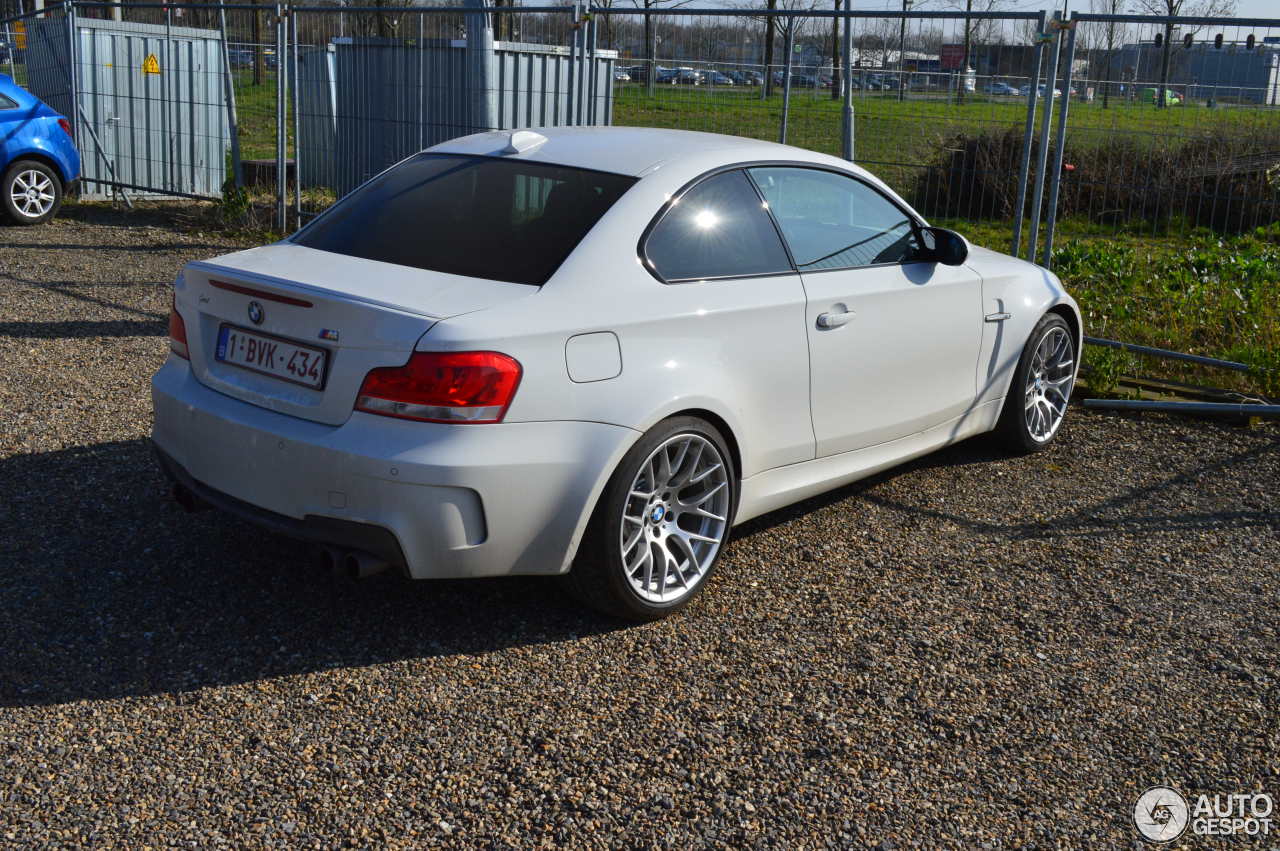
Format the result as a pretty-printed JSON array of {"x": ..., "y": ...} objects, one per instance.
[{"x": 1162, "y": 124}]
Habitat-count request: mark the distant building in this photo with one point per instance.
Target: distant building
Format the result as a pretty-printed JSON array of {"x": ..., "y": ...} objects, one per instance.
[{"x": 1230, "y": 73}]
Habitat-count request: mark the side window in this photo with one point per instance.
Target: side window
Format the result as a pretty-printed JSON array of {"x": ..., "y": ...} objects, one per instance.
[
  {"x": 7, "y": 103},
  {"x": 834, "y": 222},
  {"x": 718, "y": 229}
]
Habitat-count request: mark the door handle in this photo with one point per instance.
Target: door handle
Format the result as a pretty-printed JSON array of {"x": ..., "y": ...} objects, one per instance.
[{"x": 834, "y": 320}]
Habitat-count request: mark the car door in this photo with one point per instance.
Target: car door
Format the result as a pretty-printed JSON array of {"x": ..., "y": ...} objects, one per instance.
[
  {"x": 735, "y": 307},
  {"x": 893, "y": 342}
]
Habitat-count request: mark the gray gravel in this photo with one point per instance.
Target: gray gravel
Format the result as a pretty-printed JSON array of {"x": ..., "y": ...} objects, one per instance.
[{"x": 970, "y": 650}]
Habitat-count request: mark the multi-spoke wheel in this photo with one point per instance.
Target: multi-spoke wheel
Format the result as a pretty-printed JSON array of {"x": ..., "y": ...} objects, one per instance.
[
  {"x": 30, "y": 193},
  {"x": 661, "y": 523},
  {"x": 1037, "y": 401}
]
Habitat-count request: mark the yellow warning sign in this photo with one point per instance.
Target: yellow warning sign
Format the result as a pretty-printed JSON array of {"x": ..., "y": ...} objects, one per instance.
[
  {"x": 151, "y": 65},
  {"x": 20, "y": 35}
]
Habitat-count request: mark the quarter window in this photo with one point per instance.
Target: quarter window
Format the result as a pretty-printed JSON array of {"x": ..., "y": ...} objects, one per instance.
[
  {"x": 718, "y": 229},
  {"x": 835, "y": 222},
  {"x": 7, "y": 103}
]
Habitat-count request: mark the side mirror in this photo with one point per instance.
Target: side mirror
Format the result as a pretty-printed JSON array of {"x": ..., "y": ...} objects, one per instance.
[{"x": 943, "y": 246}]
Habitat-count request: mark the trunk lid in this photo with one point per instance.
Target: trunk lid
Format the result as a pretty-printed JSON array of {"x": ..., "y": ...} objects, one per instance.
[{"x": 362, "y": 313}]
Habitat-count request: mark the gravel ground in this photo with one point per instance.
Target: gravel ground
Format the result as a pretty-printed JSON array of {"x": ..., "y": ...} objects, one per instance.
[{"x": 969, "y": 651}]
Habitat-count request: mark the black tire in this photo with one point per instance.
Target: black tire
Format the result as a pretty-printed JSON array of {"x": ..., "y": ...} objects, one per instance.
[
  {"x": 1013, "y": 432},
  {"x": 599, "y": 577},
  {"x": 19, "y": 175}
]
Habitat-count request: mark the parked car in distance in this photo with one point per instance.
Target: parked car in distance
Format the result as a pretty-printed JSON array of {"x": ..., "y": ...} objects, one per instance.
[
  {"x": 621, "y": 76},
  {"x": 716, "y": 78},
  {"x": 38, "y": 156},
  {"x": 687, "y": 77},
  {"x": 998, "y": 88},
  {"x": 454, "y": 375},
  {"x": 746, "y": 78},
  {"x": 1026, "y": 90}
]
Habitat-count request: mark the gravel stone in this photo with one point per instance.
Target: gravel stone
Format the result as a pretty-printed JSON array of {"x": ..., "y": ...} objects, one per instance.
[{"x": 969, "y": 651}]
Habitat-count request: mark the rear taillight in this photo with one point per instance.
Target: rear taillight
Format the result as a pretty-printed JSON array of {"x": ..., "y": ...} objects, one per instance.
[
  {"x": 177, "y": 333},
  {"x": 443, "y": 387},
  {"x": 66, "y": 126}
]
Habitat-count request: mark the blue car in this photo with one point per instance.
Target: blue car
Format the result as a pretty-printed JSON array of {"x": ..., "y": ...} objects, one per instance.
[{"x": 38, "y": 157}]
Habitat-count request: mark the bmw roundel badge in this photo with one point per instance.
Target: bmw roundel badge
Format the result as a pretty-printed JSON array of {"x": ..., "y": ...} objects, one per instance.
[{"x": 255, "y": 313}]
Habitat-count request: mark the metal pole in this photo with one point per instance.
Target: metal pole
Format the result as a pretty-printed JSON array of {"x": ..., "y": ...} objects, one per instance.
[
  {"x": 786, "y": 79},
  {"x": 1020, "y": 209},
  {"x": 1168, "y": 354},
  {"x": 73, "y": 50},
  {"x": 297, "y": 126},
  {"x": 573, "y": 61},
  {"x": 1042, "y": 155},
  {"x": 168, "y": 74},
  {"x": 281, "y": 118},
  {"x": 1242, "y": 409},
  {"x": 1061, "y": 142},
  {"x": 593, "y": 73},
  {"x": 233, "y": 121},
  {"x": 847, "y": 81}
]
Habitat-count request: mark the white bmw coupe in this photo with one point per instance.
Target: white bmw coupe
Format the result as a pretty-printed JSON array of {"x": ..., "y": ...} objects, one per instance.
[{"x": 591, "y": 352}]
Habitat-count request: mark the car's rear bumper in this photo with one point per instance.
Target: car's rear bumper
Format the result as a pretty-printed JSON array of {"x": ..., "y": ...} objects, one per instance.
[{"x": 458, "y": 500}]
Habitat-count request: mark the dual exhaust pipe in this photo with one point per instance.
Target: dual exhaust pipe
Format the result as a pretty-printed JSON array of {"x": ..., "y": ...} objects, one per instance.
[
  {"x": 350, "y": 564},
  {"x": 340, "y": 563}
]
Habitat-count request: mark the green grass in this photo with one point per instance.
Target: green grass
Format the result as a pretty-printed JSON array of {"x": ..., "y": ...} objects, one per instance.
[
  {"x": 896, "y": 138},
  {"x": 256, "y": 114},
  {"x": 1194, "y": 292}
]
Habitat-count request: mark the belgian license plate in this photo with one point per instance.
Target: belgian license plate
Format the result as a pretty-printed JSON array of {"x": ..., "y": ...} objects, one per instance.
[{"x": 274, "y": 356}]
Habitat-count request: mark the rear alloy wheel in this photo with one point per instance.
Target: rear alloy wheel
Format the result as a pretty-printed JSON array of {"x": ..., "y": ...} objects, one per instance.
[
  {"x": 31, "y": 193},
  {"x": 1041, "y": 389},
  {"x": 661, "y": 524}
]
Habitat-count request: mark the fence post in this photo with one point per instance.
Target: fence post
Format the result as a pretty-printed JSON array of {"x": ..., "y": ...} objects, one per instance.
[
  {"x": 1055, "y": 177},
  {"x": 573, "y": 62},
  {"x": 73, "y": 56},
  {"x": 593, "y": 72},
  {"x": 846, "y": 80},
  {"x": 281, "y": 118},
  {"x": 786, "y": 78},
  {"x": 297, "y": 125},
  {"x": 1042, "y": 155},
  {"x": 1020, "y": 209},
  {"x": 233, "y": 123}
]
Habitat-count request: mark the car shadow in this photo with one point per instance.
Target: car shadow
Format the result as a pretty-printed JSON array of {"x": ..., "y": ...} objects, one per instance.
[
  {"x": 1098, "y": 518},
  {"x": 111, "y": 590}
]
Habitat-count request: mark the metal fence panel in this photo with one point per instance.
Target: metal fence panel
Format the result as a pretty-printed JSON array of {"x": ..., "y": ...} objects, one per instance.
[
  {"x": 366, "y": 102},
  {"x": 152, "y": 112}
]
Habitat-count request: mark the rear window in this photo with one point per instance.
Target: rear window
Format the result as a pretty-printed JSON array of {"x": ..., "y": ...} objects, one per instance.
[{"x": 504, "y": 220}]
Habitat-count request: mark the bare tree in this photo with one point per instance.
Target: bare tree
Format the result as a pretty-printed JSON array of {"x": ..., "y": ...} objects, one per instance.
[
  {"x": 1110, "y": 37},
  {"x": 1177, "y": 8}
]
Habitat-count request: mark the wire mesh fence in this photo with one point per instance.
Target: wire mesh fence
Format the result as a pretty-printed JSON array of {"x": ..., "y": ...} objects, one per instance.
[{"x": 1157, "y": 124}]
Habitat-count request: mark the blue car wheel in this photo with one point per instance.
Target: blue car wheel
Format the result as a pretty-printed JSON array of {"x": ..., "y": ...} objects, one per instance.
[{"x": 30, "y": 193}]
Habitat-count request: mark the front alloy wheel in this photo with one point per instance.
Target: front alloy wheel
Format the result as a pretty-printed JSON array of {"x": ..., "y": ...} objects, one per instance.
[
  {"x": 661, "y": 524},
  {"x": 1037, "y": 400}
]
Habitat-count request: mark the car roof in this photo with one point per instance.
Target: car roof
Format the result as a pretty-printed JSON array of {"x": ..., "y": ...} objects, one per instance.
[{"x": 634, "y": 151}]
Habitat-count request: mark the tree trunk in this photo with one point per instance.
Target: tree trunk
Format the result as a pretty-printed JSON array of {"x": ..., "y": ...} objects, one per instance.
[
  {"x": 650, "y": 49},
  {"x": 257, "y": 47},
  {"x": 835, "y": 54},
  {"x": 964, "y": 62},
  {"x": 1164, "y": 65},
  {"x": 767, "y": 88}
]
